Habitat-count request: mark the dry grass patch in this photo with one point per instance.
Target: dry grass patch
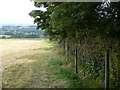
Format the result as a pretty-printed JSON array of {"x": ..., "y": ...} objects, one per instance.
[{"x": 25, "y": 64}]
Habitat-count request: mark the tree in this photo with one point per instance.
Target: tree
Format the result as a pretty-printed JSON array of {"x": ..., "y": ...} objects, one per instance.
[{"x": 81, "y": 22}]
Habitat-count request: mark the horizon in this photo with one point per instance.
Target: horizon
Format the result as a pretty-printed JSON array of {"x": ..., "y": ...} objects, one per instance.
[
  {"x": 1, "y": 25},
  {"x": 18, "y": 24}
]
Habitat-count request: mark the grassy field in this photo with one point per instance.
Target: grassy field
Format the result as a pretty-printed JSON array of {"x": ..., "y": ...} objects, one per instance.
[
  {"x": 25, "y": 63},
  {"x": 38, "y": 63}
]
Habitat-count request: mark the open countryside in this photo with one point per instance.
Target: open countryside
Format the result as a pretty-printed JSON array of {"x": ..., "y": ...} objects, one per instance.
[
  {"x": 38, "y": 63},
  {"x": 72, "y": 45},
  {"x": 25, "y": 63}
]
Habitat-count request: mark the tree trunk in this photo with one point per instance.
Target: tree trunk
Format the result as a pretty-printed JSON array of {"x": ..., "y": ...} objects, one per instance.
[
  {"x": 107, "y": 69},
  {"x": 76, "y": 67}
]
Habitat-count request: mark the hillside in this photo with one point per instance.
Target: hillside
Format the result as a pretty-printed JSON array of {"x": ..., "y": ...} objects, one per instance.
[{"x": 28, "y": 31}]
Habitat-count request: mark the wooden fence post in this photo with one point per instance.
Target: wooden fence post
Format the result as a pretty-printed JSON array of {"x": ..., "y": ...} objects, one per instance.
[
  {"x": 76, "y": 67},
  {"x": 66, "y": 49},
  {"x": 107, "y": 69},
  {"x": 118, "y": 66}
]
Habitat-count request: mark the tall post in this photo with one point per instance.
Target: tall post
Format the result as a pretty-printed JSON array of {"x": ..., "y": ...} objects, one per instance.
[
  {"x": 66, "y": 49},
  {"x": 118, "y": 66},
  {"x": 64, "y": 46},
  {"x": 76, "y": 67},
  {"x": 107, "y": 69}
]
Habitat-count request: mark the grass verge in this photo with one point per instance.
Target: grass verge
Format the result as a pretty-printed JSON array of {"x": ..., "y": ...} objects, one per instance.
[{"x": 61, "y": 71}]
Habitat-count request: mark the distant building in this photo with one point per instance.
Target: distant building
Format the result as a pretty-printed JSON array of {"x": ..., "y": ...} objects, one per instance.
[{"x": 5, "y": 36}]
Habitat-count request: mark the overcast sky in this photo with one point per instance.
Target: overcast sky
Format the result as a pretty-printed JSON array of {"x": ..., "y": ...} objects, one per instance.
[{"x": 16, "y": 11}]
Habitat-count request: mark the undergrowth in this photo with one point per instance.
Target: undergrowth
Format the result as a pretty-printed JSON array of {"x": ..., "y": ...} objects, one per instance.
[{"x": 61, "y": 71}]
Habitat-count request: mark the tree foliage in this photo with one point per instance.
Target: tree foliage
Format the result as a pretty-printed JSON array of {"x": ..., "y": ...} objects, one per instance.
[{"x": 90, "y": 25}]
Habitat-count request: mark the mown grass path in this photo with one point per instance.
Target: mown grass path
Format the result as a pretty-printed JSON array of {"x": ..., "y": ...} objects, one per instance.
[{"x": 25, "y": 64}]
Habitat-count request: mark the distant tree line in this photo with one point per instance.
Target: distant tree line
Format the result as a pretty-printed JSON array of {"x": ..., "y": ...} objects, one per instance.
[{"x": 21, "y": 32}]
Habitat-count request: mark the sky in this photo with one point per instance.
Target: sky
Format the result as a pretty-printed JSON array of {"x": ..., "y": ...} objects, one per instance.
[{"x": 16, "y": 12}]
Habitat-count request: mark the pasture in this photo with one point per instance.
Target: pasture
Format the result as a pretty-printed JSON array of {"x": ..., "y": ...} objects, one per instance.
[{"x": 25, "y": 63}]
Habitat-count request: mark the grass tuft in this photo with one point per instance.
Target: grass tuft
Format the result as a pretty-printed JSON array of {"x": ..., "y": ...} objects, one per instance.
[{"x": 55, "y": 62}]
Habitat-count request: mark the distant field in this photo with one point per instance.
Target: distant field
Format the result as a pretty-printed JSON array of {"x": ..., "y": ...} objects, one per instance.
[
  {"x": 25, "y": 63},
  {"x": 12, "y": 49}
]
